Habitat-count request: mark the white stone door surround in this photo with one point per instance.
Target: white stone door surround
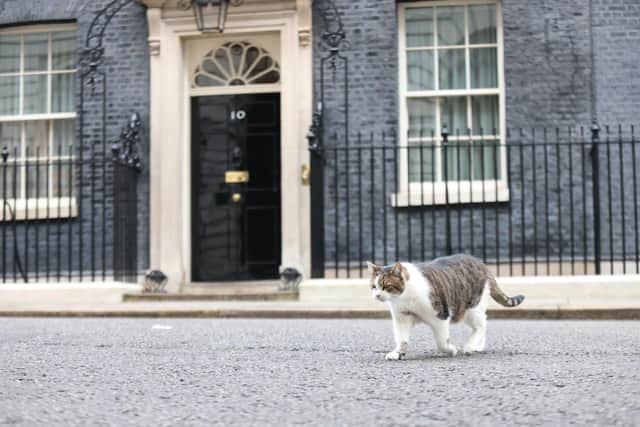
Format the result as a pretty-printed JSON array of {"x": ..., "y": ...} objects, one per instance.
[{"x": 171, "y": 32}]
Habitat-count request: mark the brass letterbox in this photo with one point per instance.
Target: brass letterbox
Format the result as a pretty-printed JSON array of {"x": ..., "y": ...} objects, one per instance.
[{"x": 235, "y": 177}]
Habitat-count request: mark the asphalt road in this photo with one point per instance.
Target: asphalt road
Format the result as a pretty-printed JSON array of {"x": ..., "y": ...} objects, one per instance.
[{"x": 314, "y": 372}]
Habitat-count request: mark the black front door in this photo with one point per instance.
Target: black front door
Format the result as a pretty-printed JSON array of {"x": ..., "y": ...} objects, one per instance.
[{"x": 235, "y": 148}]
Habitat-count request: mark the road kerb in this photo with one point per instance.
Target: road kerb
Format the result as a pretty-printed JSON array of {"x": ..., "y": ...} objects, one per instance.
[{"x": 322, "y": 313}]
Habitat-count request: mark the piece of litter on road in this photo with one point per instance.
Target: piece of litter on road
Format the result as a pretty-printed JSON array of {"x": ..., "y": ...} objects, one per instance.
[{"x": 161, "y": 327}]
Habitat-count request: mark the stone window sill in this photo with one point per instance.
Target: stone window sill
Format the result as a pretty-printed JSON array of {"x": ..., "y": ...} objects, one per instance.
[
  {"x": 38, "y": 209},
  {"x": 429, "y": 194}
]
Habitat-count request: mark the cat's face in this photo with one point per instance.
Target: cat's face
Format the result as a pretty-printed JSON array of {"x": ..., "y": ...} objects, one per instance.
[{"x": 387, "y": 282}]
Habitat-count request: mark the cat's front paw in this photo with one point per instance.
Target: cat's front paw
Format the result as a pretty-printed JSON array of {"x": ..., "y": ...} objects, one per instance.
[
  {"x": 452, "y": 350},
  {"x": 470, "y": 349},
  {"x": 393, "y": 355}
]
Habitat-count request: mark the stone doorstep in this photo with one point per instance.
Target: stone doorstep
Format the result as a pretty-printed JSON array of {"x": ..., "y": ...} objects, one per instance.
[
  {"x": 268, "y": 290},
  {"x": 238, "y": 296}
]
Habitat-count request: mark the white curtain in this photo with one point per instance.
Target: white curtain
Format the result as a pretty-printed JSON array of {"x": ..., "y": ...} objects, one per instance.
[
  {"x": 63, "y": 137},
  {"x": 9, "y": 95},
  {"x": 419, "y": 27},
  {"x": 421, "y": 172},
  {"x": 420, "y": 70},
  {"x": 482, "y": 24},
  {"x": 10, "y": 134},
  {"x": 34, "y": 99},
  {"x": 9, "y": 63},
  {"x": 63, "y": 51},
  {"x": 36, "y": 52},
  {"x": 422, "y": 117},
  {"x": 63, "y": 93}
]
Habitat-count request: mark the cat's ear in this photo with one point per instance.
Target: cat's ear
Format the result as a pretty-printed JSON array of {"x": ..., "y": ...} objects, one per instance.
[
  {"x": 399, "y": 269},
  {"x": 372, "y": 267}
]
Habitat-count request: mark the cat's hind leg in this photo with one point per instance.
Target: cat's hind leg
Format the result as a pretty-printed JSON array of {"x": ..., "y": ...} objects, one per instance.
[
  {"x": 476, "y": 319},
  {"x": 440, "y": 330},
  {"x": 402, "y": 324}
]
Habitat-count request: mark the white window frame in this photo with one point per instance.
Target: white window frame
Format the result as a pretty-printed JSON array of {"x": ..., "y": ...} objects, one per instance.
[
  {"x": 468, "y": 191},
  {"x": 33, "y": 208}
]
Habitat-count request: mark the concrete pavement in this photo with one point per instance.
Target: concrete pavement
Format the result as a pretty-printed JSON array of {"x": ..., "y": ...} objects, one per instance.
[{"x": 313, "y": 372}]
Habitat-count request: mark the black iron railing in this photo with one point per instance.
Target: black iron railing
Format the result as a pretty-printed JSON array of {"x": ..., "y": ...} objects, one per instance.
[
  {"x": 531, "y": 202},
  {"x": 67, "y": 218},
  {"x": 38, "y": 209}
]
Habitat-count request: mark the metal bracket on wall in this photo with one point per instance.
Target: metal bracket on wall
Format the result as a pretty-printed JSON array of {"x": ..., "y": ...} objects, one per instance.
[
  {"x": 92, "y": 56},
  {"x": 333, "y": 37},
  {"x": 126, "y": 150},
  {"x": 314, "y": 135}
]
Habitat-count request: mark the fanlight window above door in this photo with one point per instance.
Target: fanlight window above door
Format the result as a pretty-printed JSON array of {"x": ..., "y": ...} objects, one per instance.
[{"x": 236, "y": 64}]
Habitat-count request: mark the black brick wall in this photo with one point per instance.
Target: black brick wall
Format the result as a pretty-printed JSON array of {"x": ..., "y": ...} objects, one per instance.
[
  {"x": 616, "y": 29},
  {"x": 547, "y": 63}
]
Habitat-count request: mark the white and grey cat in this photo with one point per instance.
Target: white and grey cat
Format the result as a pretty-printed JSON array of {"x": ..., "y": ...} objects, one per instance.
[{"x": 443, "y": 291}]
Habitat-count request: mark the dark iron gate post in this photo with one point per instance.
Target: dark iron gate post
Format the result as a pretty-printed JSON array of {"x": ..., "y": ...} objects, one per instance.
[
  {"x": 314, "y": 137},
  {"x": 445, "y": 140},
  {"x": 127, "y": 166},
  {"x": 595, "y": 178}
]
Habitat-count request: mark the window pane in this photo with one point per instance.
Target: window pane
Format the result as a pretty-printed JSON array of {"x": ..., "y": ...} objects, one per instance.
[
  {"x": 63, "y": 48},
  {"x": 484, "y": 67},
  {"x": 64, "y": 136},
  {"x": 486, "y": 160},
  {"x": 419, "y": 23},
  {"x": 202, "y": 80},
  {"x": 450, "y": 25},
  {"x": 236, "y": 51},
  {"x": 63, "y": 93},
  {"x": 62, "y": 177},
  {"x": 453, "y": 113},
  {"x": 422, "y": 117},
  {"x": 486, "y": 116},
  {"x": 455, "y": 161},
  {"x": 10, "y": 136},
  {"x": 9, "y": 96},
  {"x": 36, "y": 50},
  {"x": 9, "y": 54},
  {"x": 10, "y": 186},
  {"x": 272, "y": 76},
  {"x": 222, "y": 62},
  {"x": 420, "y": 70},
  {"x": 417, "y": 154},
  {"x": 36, "y": 137},
  {"x": 37, "y": 180},
  {"x": 35, "y": 94},
  {"x": 482, "y": 24},
  {"x": 451, "y": 69}
]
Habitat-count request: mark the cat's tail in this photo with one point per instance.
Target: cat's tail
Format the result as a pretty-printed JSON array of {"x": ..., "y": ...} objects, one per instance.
[{"x": 500, "y": 297}]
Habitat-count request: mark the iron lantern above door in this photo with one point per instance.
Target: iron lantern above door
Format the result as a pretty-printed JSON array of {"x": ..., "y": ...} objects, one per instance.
[{"x": 210, "y": 15}]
